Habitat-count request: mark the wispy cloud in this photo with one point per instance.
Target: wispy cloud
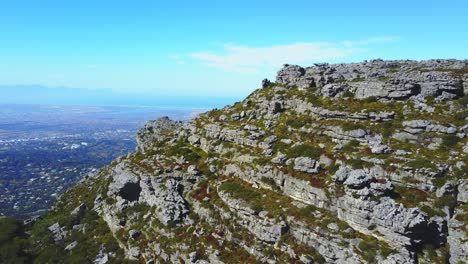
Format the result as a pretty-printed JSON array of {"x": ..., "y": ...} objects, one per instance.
[
  {"x": 91, "y": 66},
  {"x": 365, "y": 42},
  {"x": 177, "y": 58},
  {"x": 245, "y": 59}
]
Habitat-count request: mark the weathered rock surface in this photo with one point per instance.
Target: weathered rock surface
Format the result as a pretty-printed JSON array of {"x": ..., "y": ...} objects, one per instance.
[
  {"x": 342, "y": 163},
  {"x": 382, "y": 79},
  {"x": 153, "y": 131}
]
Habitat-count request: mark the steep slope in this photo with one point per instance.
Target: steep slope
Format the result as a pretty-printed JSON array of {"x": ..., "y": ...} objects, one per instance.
[{"x": 347, "y": 163}]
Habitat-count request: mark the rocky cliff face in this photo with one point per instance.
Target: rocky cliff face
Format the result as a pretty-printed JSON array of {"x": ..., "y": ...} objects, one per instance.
[{"x": 347, "y": 163}]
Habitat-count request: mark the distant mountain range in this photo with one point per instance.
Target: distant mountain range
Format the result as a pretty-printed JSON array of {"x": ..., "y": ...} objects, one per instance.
[{"x": 36, "y": 94}]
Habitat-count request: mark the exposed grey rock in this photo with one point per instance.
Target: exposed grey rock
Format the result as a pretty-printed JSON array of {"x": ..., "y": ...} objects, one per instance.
[
  {"x": 280, "y": 158},
  {"x": 379, "y": 79},
  {"x": 164, "y": 193},
  {"x": 381, "y": 189},
  {"x": 463, "y": 192},
  {"x": 341, "y": 174},
  {"x": 306, "y": 260},
  {"x": 80, "y": 227},
  {"x": 71, "y": 246},
  {"x": 334, "y": 90},
  {"x": 403, "y": 136},
  {"x": 59, "y": 232},
  {"x": 192, "y": 170},
  {"x": 270, "y": 140},
  {"x": 101, "y": 257},
  {"x": 401, "y": 152},
  {"x": 417, "y": 123},
  {"x": 306, "y": 164},
  {"x": 133, "y": 253},
  {"x": 324, "y": 243},
  {"x": 446, "y": 189},
  {"x": 125, "y": 184},
  {"x": 291, "y": 75},
  {"x": 264, "y": 228},
  {"x": 239, "y": 137},
  {"x": 153, "y": 131},
  {"x": 194, "y": 140},
  {"x": 134, "y": 234},
  {"x": 265, "y": 83},
  {"x": 223, "y": 118},
  {"x": 193, "y": 257},
  {"x": 357, "y": 179},
  {"x": 79, "y": 209},
  {"x": 275, "y": 107},
  {"x": 398, "y": 225},
  {"x": 333, "y": 226},
  {"x": 376, "y": 145},
  {"x": 457, "y": 241},
  {"x": 326, "y": 161}
]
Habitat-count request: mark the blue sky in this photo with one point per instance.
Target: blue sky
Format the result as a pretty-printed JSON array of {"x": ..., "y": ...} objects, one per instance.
[{"x": 212, "y": 48}]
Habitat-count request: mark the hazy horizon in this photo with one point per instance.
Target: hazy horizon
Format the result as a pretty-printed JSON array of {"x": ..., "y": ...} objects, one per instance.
[{"x": 41, "y": 95}]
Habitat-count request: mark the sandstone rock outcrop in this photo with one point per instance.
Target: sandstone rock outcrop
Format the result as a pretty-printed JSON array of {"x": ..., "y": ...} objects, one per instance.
[{"x": 336, "y": 163}]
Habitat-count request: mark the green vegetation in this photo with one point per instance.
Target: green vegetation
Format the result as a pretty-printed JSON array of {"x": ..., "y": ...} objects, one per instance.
[
  {"x": 445, "y": 201},
  {"x": 463, "y": 101},
  {"x": 351, "y": 146},
  {"x": 409, "y": 197},
  {"x": 270, "y": 182},
  {"x": 356, "y": 163},
  {"x": 181, "y": 149},
  {"x": 449, "y": 142},
  {"x": 348, "y": 126},
  {"x": 238, "y": 191},
  {"x": 421, "y": 163},
  {"x": 369, "y": 248},
  {"x": 14, "y": 245},
  {"x": 358, "y": 79},
  {"x": 348, "y": 94},
  {"x": 304, "y": 150}
]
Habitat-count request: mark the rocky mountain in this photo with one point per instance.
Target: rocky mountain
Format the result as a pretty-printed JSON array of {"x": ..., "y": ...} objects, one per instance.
[{"x": 334, "y": 163}]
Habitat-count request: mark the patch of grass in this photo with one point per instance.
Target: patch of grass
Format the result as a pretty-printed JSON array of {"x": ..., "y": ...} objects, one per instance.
[
  {"x": 409, "y": 197},
  {"x": 238, "y": 191},
  {"x": 388, "y": 127},
  {"x": 348, "y": 94},
  {"x": 298, "y": 121},
  {"x": 358, "y": 79},
  {"x": 431, "y": 212},
  {"x": 461, "y": 115},
  {"x": 463, "y": 100},
  {"x": 370, "y": 99},
  {"x": 356, "y": 163},
  {"x": 304, "y": 150},
  {"x": 369, "y": 251},
  {"x": 270, "y": 182},
  {"x": 445, "y": 201},
  {"x": 351, "y": 146},
  {"x": 449, "y": 142},
  {"x": 420, "y": 163},
  {"x": 348, "y": 126}
]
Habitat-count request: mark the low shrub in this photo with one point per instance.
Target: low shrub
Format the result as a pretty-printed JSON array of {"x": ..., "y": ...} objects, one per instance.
[
  {"x": 449, "y": 141},
  {"x": 304, "y": 150}
]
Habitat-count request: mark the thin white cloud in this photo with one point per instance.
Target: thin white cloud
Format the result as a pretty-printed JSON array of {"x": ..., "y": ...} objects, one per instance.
[
  {"x": 177, "y": 58},
  {"x": 91, "y": 66},
  {"x": 244, "y": 59},
  {"x": 374, "y": 40}
]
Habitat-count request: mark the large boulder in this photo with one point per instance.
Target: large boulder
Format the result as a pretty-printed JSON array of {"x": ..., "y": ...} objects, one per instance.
[
  {"x": 305, "y": 164},
  {"x": 154, "y": 131},
  {"x": 293, "y": 75}
]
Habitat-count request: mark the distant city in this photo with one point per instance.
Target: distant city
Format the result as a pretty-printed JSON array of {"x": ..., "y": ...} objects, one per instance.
[{"x": 44, "y": 150}]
